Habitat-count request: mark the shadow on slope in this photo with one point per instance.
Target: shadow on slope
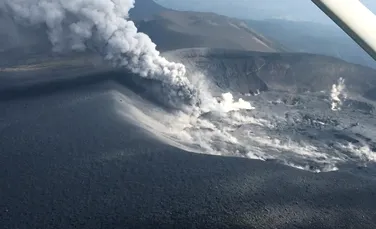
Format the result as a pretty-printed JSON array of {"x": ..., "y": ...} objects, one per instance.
[{"x": 149, "y": 89}]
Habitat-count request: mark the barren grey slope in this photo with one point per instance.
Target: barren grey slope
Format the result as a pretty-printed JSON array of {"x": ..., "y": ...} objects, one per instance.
[{"x": 244, "y": 70}]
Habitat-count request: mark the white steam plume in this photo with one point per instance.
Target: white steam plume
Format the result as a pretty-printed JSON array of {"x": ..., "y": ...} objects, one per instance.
[
  {"x": 337, "y": 94},
  {"x": 74, "y": 24}
]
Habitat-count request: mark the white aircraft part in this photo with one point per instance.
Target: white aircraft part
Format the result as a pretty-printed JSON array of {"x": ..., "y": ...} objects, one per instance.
[{"x": 355, "y": 19}]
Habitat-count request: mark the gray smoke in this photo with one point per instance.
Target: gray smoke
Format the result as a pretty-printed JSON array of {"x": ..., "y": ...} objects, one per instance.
[{"x": 103, "y": 24}]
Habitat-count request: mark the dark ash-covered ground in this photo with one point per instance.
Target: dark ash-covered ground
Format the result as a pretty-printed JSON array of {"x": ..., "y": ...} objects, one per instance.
[
  {"x": 70, "y": 161},
  {"x": 73, "y": 156}
]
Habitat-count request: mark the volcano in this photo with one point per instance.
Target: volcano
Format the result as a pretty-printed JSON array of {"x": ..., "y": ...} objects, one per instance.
[{"x": 86, "y": 143}]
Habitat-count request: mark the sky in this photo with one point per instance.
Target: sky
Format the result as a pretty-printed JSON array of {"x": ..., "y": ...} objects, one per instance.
[{"x": 297, "y": 10}]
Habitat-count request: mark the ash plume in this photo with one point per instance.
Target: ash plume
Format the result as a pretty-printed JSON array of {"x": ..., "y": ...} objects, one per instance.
[{"x": 103, "y": 24}]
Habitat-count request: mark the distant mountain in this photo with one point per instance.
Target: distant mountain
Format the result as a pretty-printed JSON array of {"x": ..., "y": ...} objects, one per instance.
[
  {"x": 169, "y": 29},
  {"x": 176, "y": 29},
  {"x": 144, "y": 9},
  {"x": 13, "y": 35},
  {"x": 313, "y": 38},
  {"x": 253, "y": 9},
  {"x": 297, "y": 10}
]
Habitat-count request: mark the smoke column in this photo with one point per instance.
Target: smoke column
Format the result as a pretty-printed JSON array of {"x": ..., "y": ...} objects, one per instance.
[
  {"x": 338, "y": 91},
  {"x": 76, "y": 24}
]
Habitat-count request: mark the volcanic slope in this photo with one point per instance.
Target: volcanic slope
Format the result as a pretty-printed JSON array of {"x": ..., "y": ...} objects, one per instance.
[
  {"x": 292, "y": 96},
  {"x": 242, "y": 71},
  {"x": 87, "y": 155}
]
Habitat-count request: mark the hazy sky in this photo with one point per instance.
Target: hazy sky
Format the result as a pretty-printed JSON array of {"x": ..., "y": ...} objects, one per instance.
[{"x": 259, "y": 9}]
